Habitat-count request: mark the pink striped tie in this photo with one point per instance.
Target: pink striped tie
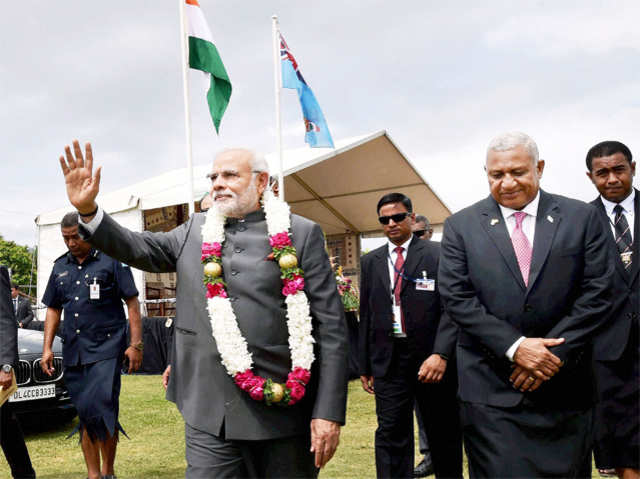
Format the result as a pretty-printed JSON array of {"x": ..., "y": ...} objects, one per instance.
[{"x": 521, "y": 247}]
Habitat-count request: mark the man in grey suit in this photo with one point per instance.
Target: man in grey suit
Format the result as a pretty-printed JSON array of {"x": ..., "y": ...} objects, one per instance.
[
  {"x": 526, "y": 275},
  {"x": 229, "y": 434}
]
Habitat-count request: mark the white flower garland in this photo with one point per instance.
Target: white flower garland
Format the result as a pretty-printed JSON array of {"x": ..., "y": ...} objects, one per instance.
[{"x": 234, "y": 353}]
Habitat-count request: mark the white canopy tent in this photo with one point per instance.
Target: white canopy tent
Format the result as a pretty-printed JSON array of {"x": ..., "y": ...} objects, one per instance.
[{"x": 337, "y": 188}]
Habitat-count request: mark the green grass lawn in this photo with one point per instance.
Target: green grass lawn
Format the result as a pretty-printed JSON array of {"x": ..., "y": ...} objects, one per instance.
[
  {"x": 156, "y": 448},
  {"x": 156, "y": 429}
]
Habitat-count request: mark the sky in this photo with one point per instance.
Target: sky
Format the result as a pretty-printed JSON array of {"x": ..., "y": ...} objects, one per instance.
[{"x": 442, "y": 78}]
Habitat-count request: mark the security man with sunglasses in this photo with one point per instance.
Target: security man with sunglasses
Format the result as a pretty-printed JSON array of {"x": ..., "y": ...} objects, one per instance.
[{"x": 406, "y": 347}]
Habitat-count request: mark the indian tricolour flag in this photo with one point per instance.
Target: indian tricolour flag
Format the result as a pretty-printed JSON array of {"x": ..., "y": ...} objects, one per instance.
[{"x": 204, "y": 56}]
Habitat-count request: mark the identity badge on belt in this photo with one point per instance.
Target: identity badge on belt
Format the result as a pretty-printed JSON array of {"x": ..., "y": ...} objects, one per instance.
[
  {"x": 425, "y": 284},
  {"x": 94, "y": 290},
  {"x": 397, "y": 320}
]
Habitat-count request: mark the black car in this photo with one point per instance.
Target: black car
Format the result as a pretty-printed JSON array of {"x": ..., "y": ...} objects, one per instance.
[{"x": 37, "y": 392}]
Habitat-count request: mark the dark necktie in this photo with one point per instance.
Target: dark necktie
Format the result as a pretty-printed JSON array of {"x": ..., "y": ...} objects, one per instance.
[
  {"x": 397, "y": 280},
  {"x": 623, "y": 235},
  {"x": 15, "y": 306}
]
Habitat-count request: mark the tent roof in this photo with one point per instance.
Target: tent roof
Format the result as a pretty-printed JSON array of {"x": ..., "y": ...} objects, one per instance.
[{"x": 338, "y": 188}]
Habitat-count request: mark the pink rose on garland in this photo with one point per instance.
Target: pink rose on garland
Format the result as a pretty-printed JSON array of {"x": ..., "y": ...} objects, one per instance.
[
  {"x": 292, "y": 286},
  {"x": 240, "y": 378},
  {"x": 211, "y": 249},
  {"x": 216, "y": 289},
  {"x": 257, "y": 393},
  {"x": 297, "y": 393},
  {"x": 280, "y": 240},
  {"x": 300, "y": 374}
]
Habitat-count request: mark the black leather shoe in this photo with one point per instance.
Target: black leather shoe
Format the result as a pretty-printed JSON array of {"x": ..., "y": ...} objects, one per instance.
[{"x": 423, "y": 469}]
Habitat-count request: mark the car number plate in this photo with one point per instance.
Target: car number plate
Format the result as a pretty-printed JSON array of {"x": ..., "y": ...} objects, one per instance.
[{"x": 34, "y": 392}]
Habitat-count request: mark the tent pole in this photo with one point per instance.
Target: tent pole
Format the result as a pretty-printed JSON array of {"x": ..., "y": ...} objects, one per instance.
[
  {"x": 187, "y": 114},
  {"x": 277, "y": 76}
]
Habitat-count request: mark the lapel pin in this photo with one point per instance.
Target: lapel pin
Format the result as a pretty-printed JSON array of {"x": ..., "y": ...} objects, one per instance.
[
  {"x": 494, "y": 221},
  {"x": 550, "y": 218}
]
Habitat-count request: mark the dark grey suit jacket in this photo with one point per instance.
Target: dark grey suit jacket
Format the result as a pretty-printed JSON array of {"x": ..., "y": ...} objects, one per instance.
[
  {"x": 203, "y": 391},
  {"x": 8, "y": 325},
  {"x": 612, "y": 338},
  {"x": 567, "y": 296},
  {"x": 24, "y": 314}
]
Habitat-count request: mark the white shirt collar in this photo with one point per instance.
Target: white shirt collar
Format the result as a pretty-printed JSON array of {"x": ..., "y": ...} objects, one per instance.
[
  {"x": 405, "y": 245},
  {"x": 627, "y": 203},
  {"x": 531, "y": 209}
]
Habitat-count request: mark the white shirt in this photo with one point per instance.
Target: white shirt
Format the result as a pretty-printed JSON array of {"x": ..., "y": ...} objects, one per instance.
[
  {"x": 529, "y": 230},
  {"x": 92, "y": 225},
  {"x": 394, "y": 255},
  {"x": 529, "y": 221},
  {"x": 628, "y": 210}
]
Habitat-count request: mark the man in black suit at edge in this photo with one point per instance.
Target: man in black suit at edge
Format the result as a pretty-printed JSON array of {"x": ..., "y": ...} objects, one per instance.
[
  {"x": 617, "y": 359},
  {"x": 406, "y": 347},
  {"x": 527, "y": 278},
  {"x": 11, "y": 437}
]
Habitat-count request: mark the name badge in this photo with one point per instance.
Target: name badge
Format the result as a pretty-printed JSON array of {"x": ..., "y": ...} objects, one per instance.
[
  {"x": 397, "y": 320},
  {"x": 425, "y": 284},
  {"x": 94, "y": 290},
  {"x": 626, "y": 258}
]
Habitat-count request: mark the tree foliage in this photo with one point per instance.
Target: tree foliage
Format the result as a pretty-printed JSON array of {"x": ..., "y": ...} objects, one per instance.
[{"x": 18, "y": 259}]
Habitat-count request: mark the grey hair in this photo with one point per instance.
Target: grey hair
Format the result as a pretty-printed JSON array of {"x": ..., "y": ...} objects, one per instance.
[
  {"x": 423, "y": 219},
  {"x": 257, "y": 161},
  {"x": 512, "y": 139},
  {"x": 69, "y": 220}
]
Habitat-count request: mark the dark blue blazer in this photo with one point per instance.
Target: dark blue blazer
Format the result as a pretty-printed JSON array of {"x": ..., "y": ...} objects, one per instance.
[
  {"x": 567, "y": 296},
  {"x": 612, "y": 338}
]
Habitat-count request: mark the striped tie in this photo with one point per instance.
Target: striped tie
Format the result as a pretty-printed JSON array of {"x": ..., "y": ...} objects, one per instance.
[{"x": 623, "y": 235}]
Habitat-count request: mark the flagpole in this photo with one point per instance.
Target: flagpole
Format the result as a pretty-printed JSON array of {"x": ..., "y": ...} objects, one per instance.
[
  {"x": 187, "y": 114},
  {"x": 277, "y": 76}
]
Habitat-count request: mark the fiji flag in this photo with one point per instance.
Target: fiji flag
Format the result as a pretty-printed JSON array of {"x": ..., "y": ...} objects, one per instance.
[{"x": 317, "y": 132}]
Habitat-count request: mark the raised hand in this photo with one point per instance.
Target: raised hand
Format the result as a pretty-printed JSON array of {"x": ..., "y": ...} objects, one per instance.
[{"x": 82, "y": 184}]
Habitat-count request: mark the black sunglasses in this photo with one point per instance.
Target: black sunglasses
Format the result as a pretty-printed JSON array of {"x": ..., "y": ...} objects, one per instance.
[
  {"x": 397, "y": 218},
  {"x": 420, "y": 233}
]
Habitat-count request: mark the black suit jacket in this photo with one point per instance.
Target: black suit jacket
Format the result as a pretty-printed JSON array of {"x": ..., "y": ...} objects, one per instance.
[
  {"x": 612, "y": 338},
  {"x": 8, "y": 326},
  {"x": 428, "y": 331},
  {"x": 567, "y": 296},
  {"x": 24, "y": 314}
]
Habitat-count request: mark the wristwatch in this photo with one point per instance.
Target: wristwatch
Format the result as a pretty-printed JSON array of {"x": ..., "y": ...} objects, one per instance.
[
  {"x": 139, "y": 346},
  {"x": 7, "y": 368}
]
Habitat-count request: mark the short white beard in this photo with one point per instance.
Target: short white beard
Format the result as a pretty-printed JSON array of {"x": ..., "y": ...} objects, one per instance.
[{"x": 239, "y": 205}]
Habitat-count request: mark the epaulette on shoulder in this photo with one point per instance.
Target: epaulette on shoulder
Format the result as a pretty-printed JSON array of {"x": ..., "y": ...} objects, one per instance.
[{"x": 63, "y": 255}]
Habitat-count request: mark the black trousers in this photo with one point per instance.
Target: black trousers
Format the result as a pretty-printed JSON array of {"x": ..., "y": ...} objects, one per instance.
[
  {"x": 13, "y": 445},
  {"x": 209, "y": 456},
  {"x": 395, "y": 394},
  {"x": 526, "y": 441},
  {"x": 617, "y": 414}
]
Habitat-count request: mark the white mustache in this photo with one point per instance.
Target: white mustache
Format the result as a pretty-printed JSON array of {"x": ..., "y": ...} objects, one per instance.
[{"x": 225, "y": 192}]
